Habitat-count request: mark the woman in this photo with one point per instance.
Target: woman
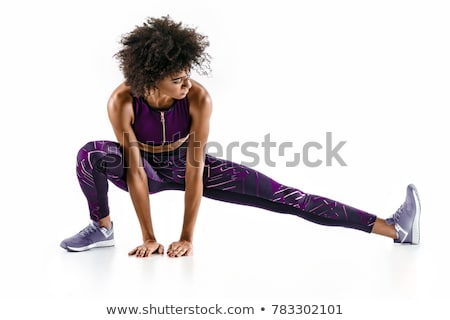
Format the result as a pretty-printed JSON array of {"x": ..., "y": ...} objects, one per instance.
[{"x": 161, "y": 120}]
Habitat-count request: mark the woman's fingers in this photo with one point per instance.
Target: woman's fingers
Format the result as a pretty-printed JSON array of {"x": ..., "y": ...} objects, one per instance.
[
  {"x": 179, "y": 249},
  {"x": 146, "y": 250}
]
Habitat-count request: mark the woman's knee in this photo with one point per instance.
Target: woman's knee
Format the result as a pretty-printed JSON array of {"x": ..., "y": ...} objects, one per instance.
[{"x": 94, "y": 151}]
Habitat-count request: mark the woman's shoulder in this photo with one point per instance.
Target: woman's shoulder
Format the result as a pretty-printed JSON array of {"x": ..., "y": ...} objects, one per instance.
[
  {"x": 198, "y": 94},
  {"x": 120, "y": 102},
  {"x": 120, "y": 96}
]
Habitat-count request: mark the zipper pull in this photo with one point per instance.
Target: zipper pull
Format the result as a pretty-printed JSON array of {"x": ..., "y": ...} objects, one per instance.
[{"x": 163, "y": 123}]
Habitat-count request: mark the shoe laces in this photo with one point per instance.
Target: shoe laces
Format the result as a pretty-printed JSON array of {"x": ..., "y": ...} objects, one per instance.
[
  {"x": 399, "y": 212},
  {"x": 396, "y": 216}
]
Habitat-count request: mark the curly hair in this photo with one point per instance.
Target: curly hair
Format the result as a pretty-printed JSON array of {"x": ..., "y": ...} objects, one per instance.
[{"x": 160, "y": 48}]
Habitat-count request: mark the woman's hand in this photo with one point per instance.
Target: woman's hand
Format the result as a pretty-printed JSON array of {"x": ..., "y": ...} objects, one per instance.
[
  {"x": 146, "y": 249},
  {"x": 180, "y": 248}
]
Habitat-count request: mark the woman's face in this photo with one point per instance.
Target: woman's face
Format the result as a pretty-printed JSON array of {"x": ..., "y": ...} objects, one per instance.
[{"x": 175, "y": 86}]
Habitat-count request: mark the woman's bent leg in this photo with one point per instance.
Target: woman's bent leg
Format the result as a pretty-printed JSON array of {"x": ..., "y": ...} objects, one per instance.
[{"x": 98, "y": 162}]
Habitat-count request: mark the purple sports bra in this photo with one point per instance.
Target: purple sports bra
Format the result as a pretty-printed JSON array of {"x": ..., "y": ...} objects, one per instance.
[{"x": 157, "y": 127}]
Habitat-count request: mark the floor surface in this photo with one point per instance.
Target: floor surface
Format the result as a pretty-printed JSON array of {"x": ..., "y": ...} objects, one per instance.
[{"x": 243, "y": 257}]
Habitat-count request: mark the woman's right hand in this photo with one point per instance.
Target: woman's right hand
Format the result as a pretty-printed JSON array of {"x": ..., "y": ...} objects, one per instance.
[{"x": 146, "y": 249}]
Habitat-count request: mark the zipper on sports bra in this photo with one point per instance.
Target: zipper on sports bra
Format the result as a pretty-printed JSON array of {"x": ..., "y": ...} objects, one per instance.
[{"x": 163, "y": 123}]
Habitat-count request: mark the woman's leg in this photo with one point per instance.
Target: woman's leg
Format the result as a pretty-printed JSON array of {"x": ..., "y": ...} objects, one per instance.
[
  {"x": 231, "y": 182},
  {"x": 98, "y": 162}
]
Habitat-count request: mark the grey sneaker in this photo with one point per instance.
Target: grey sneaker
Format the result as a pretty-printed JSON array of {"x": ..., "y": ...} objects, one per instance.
[
  {"x": 93, "y": 236},
  {"x": 407, "y": 218}
]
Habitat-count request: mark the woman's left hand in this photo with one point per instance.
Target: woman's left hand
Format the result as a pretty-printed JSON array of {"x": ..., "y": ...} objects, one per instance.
[{"x": 180, "y": 248}]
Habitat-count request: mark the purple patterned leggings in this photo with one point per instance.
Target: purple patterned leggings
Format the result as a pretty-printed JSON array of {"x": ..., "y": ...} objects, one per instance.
[{"x": 100, "y": 161}]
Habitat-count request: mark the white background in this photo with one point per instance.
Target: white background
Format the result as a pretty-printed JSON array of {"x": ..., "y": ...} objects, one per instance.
[{"x": 374, "y": 73}]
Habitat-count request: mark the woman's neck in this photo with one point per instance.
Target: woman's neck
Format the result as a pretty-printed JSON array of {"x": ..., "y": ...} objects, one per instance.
[{"x": 159, "y": 101}]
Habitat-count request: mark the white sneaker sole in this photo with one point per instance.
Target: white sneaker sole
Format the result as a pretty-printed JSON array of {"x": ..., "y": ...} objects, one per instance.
[
  {"x": 415, "y": 239},
  {"x": 100, "y": 244}
]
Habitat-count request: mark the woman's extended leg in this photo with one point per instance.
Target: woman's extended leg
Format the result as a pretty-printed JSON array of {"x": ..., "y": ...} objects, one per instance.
[{"x": 231, "y": 182}]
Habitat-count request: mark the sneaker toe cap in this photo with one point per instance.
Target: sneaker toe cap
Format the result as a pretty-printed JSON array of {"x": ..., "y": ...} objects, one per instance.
[{"x": 63, "y": 244}]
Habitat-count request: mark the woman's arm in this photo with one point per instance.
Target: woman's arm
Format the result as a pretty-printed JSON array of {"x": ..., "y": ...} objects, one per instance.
[
  {"x": 120, "y": 111},
  {"x": 200, "y": 108}
]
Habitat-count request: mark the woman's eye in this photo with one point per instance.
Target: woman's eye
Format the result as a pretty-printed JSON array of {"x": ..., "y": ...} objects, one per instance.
[{"x": 181, "y": 80}]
